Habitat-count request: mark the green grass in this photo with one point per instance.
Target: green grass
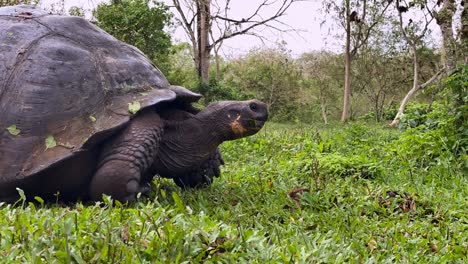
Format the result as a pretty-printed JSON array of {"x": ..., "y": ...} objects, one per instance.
[{"x": 289, "y": 194}]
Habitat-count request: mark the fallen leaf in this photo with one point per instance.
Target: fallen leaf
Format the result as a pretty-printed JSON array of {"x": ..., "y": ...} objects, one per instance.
[
  {"x": 270, "y": 184},
  {"x": 297, "y": 192},
  {"x": 433, "y": 247},
  {"x": 50, "y": 142},
  {"x": 124, "y": 234},
  {"x": 134, "y": 107},
  {"x": 372, "y": 244},
  {"x": 392, "y": 194},
  {"x": 144, "y": 243},
  {"x": 13, "y": 130},
  {"x": 408, "y": 204}
]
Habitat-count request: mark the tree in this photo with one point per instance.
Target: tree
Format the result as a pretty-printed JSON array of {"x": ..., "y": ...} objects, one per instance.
[
  {"x": 413, "y": 34},
  {"x": 464, "y": 32},
  {"x": 270, "y": 75},
  {"x": 380, "y": 76},
  {"x": 141, "y": 23},
  {"x": 18, "y": 2},
  {"x": 208, "y": 23},
  {"x": 76, "y": 11},
  {"x": 182, "y": 70},
  {"x": 359, "y": 20},
  {"x": 321, "y": 73},
  {"x": 444, "y": 18}
]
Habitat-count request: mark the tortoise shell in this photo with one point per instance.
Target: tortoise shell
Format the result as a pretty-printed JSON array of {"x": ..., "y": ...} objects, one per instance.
[{"x": 66, "y": 85}]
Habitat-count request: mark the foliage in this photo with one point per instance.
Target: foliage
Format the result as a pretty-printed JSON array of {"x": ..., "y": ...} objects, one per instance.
[
  {"x": 385, "y": 77},
  {"x": 381, "y": 76},
  {"x": 76, "y": 11},
  {"x": 18, "y": 2},
  {"x": 183, "y": 73},
  {"x": 322, "y": 77},
  {"x": 416, "y": 114},
  {"x": 456, "y": 94},
  {"x": 278, "y": 200},
  {"x": 215, "y": 91},
  {"x": 142, "y": 23},
  {"x": 437, "y": 134},
  {"x": 182, "y": 70},
  {"x": 355, "y": 192},
  {"x": 272, "y": 76}
]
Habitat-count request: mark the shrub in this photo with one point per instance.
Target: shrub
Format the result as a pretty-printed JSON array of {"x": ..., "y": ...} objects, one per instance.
[{"x": 438, "y": 134}]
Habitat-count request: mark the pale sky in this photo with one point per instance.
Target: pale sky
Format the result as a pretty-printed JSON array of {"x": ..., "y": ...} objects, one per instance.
[
  {"x": 303, "y": 16},
  {"x": 306, "y": 17}
]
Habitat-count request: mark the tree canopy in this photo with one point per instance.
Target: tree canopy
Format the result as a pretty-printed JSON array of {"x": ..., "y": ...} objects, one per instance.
[{"x": 143, "y": 23}]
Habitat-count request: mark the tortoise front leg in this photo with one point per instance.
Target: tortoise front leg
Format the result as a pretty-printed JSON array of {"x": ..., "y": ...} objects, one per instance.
[
  {"x": 125, "y": 157},
  {"x": 203, "y": 175}
]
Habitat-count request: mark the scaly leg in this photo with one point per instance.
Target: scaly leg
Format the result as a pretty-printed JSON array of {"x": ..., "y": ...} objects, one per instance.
[
  {"x": 125, "y": 157},
  {"x": 203, "y": 175}
]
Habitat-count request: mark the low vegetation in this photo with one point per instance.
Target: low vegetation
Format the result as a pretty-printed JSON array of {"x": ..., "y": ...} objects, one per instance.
[
  {"x": 305, "y": 189},
  {"x": 353, "y": 193}
]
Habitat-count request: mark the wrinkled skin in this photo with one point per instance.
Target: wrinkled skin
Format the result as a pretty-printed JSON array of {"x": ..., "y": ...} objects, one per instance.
[
  {"x": 184, "y": 149},
  {"x": 204, "y": 174},
  {"x": 201, "y": 176}
]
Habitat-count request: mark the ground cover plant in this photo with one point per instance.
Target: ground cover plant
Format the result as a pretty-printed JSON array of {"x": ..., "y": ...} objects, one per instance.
[
  {"x": 298, "y": 191},
  {"x": 342, "y": 193}
]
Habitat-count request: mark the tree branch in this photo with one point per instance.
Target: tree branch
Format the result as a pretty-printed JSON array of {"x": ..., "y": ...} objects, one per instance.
[{"x": 251, "y": 22}]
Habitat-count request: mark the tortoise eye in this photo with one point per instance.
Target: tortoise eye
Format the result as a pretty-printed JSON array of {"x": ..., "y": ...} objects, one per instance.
[{"x": 253, "y": 107}]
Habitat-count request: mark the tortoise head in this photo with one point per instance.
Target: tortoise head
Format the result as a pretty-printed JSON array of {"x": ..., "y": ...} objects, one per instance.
[
  {"x": 188, "y": 143},
  {"x": 237, "y": 119}
]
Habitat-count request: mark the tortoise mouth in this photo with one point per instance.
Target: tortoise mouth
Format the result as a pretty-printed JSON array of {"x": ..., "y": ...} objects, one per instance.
[
  {"x": 246, "y": 127},
  {"x": 259, "y": 124},
  {"x": 254, "y": 124}
]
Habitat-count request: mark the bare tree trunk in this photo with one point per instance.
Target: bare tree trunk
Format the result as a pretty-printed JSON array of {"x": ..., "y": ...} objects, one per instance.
[
  {"x": 204, "y": 47},
  {"x": 189, "y": 30},
  {"x": 196, "y": 17},
  {"x": 411, "y": 93},
  {"x": 412, "y": 42},
  {"x": 347, "y": 88},
  {"x": 413, "y": 90},
  {"x": 216, "y": 53},
  {"x": 323, "y": 106},
  {"x": 444, "y": 19},
  {"x": 464, "y": 31}
]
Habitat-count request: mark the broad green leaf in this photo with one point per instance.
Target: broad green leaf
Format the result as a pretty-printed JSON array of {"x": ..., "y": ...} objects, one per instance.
[
  {"x": 178, "y": 201},
  {"x": 68, "y": 226},
  {"x": 133, "y": 107},
  {"x": 50, "y": 142},
  {"x": 13, "y": 130},
  {"x": 21, "y": 194},
  {"x": 39, "y": 199}
]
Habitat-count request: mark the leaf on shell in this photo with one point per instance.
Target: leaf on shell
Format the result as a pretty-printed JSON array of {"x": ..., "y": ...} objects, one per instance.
[
  {"x": 134, "y": 107},
  {"x": 50, "y": 142},
  {"x": 13, "y": 130}
]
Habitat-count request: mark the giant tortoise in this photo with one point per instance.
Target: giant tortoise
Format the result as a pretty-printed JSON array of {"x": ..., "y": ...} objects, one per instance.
[{"x": 83, "y": 114}]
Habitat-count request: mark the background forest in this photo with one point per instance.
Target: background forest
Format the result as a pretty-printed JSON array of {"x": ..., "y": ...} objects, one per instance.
[
  {"x": 364, "y": 160},
  {"x": 389, "y": 48}
]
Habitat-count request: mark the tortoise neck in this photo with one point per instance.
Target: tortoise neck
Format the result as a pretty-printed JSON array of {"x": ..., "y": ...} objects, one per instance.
[
  {"x": 199, "y": 133},
  {"x": 185, "y": 145}
]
